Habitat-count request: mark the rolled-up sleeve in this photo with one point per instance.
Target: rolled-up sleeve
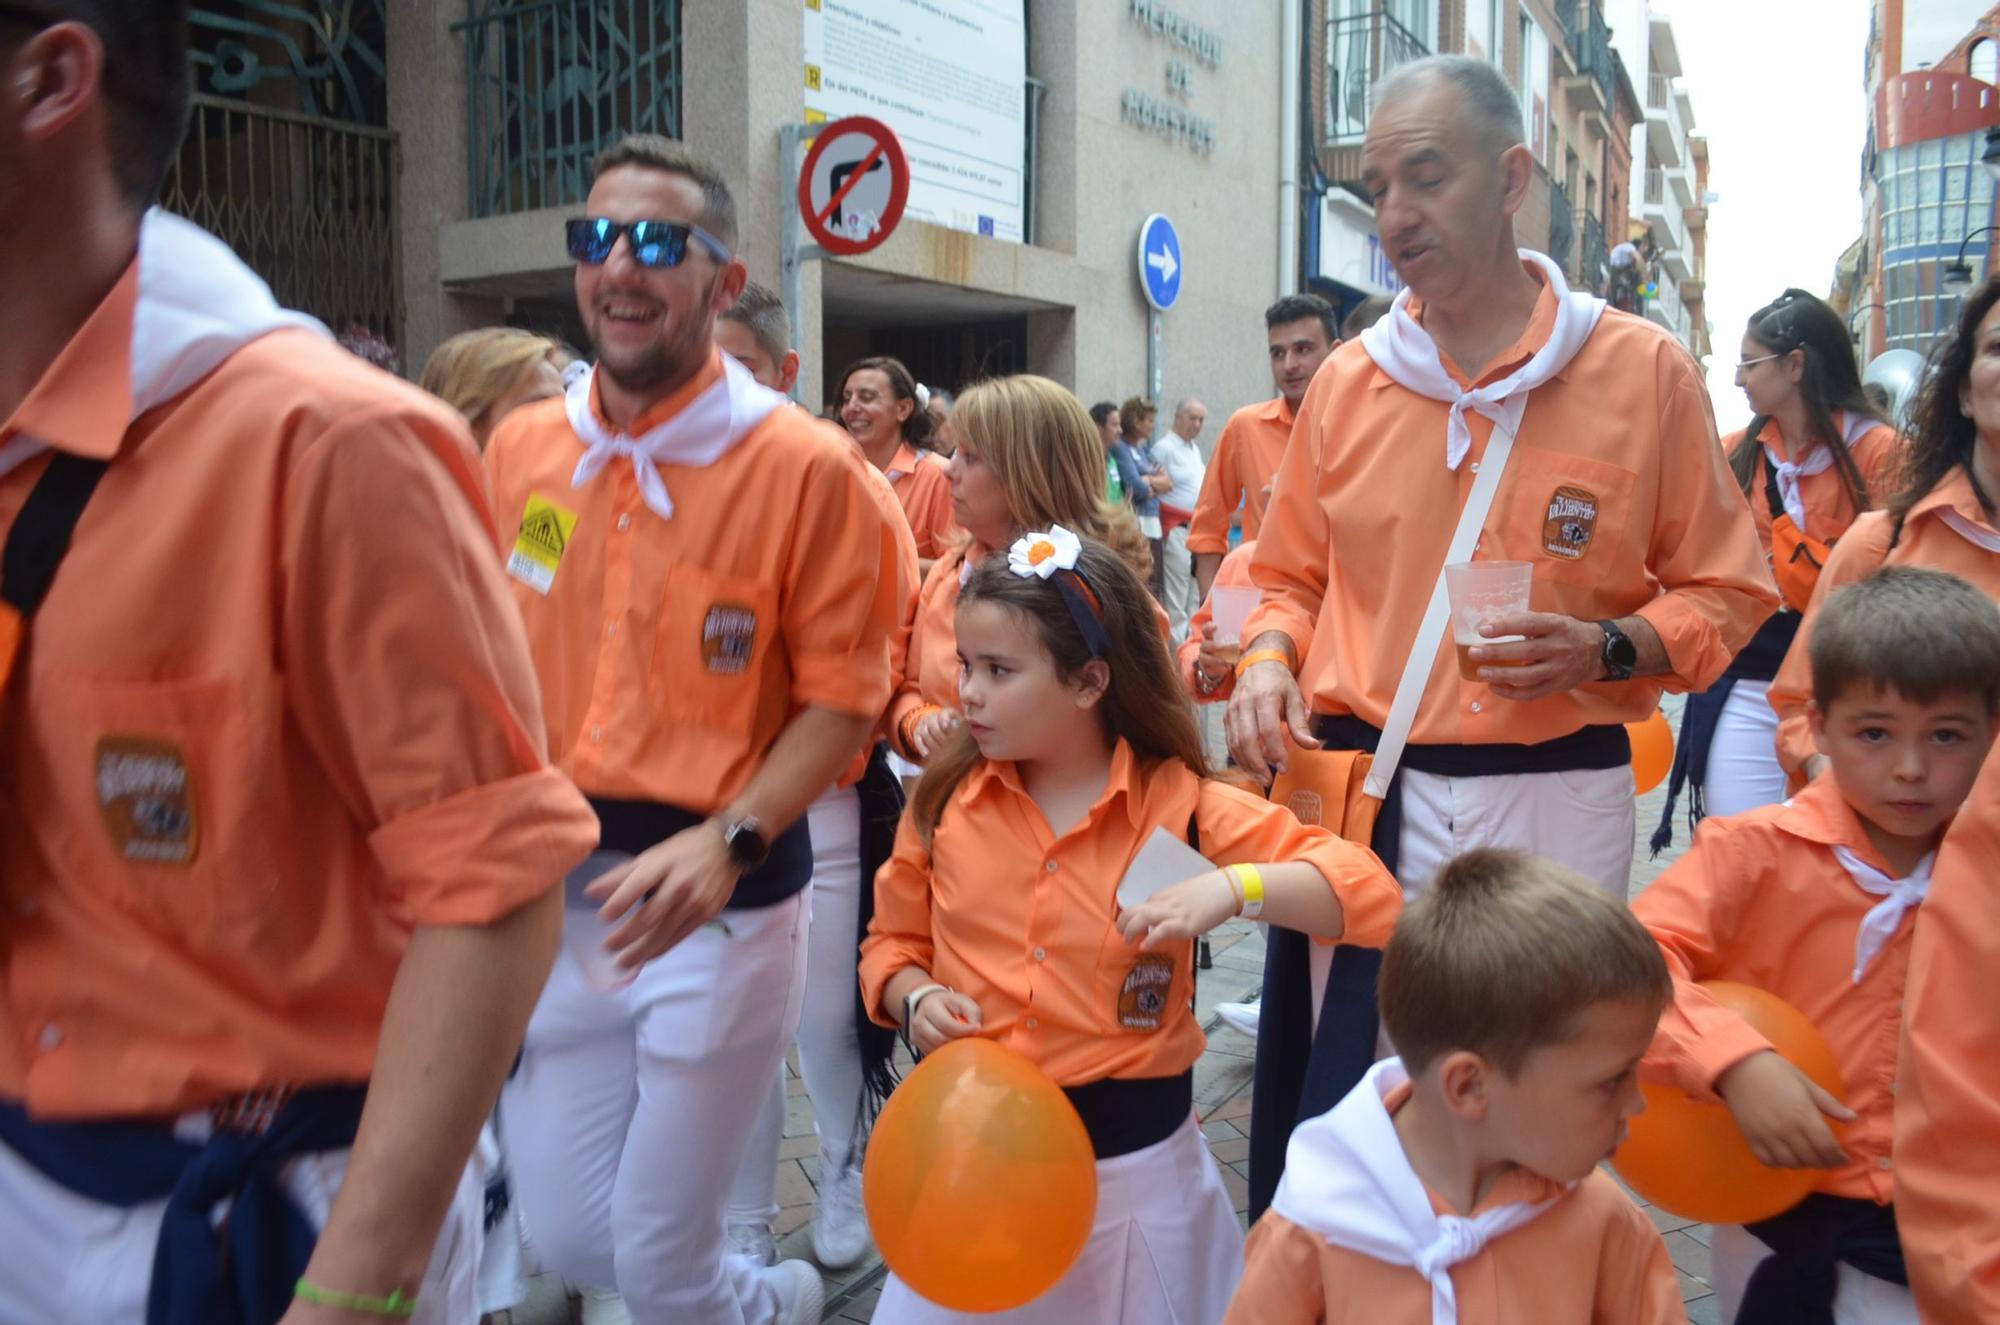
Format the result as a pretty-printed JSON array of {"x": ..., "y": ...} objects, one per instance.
[
  {"x": 899, "y": 934},
  {"x": 1221, "y": 490},
  {"x": 1715, "y": 584},
  {"x": 408, "y": 673},
  {"x": 1239, "y": 828},
  {"x": 841, "y": 603},
  {"x": 1290, "y": 564}
]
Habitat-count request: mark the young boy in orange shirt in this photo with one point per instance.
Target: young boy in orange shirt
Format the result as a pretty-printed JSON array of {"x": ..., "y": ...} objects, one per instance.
[
  {"x": 1522, "y": 998},
  {"x": 1816, "y": 901}
]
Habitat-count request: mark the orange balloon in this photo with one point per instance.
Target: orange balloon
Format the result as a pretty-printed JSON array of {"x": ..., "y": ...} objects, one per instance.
[
  {"x": 1688, "y": 1156},
  {"x": 980, "y": 1181},
  {"x": 1652, "y": 751}
]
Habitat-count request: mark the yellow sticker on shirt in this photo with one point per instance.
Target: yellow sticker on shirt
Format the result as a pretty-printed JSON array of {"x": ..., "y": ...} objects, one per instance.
[{"x": 539, "y": 547}]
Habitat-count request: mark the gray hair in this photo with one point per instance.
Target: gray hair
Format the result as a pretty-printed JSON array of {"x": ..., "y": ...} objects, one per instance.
[
  {"x": 1182, "y": 405},
  {"x": 764, "y": 314},
  {"x": 1485, "y": 91}
]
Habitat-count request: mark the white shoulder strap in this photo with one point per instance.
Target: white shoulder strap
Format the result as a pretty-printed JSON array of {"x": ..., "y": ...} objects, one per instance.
[{"x": 1423, "y": 653}]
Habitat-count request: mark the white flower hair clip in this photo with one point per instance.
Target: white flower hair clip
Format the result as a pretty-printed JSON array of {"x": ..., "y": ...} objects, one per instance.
[{"x": 1044, "y": 554}]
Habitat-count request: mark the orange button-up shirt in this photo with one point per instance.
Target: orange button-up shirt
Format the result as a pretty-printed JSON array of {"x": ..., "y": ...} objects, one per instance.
[
  {"x": 907, "y": 583},
  {"x": 1760, "y": 899},
  {"x": 1927, "y": 540},
  {"x": 1364, "y": 509},
  {"x": 282, "y": 604},
  {"x": 1025, "y": 923},
  {"x": 1241, "y": 471},
  {"x": 1948, "y": 1110},
  {"x": 673, "y": 652},
  {"x": 1234, "y": 572},
  {"x": 1829, "y": 510},
  {"x": 922, "y": 480},
  {"x": 1594, "y": 1257}
]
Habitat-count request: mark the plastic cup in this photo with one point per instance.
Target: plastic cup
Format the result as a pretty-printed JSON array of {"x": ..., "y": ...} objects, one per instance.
[
  {"x": 1480, "y": 591},
  {"x": 1230, "y": 606},
  {"x": 584, "y": 930}
]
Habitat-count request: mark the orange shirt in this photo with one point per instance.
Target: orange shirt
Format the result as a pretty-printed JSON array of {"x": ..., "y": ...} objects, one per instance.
[
  {"x": 922, "y": 480},
  {"x": 1024, "y": 922},
  {"x": 1364, "y": 508},
  {"x": 1760, "y": 899},
  {"x": 1829, "y": 511},
  {"x": 282, "y": 605},
  {"x": 1928, "y": 539},
  {"x": 673, "y": 652},
  {"x": 907, "y": 583},
  {"x": 1241, "y": 470},
  {"x": 1234, "y": 572},
  {"x": 1594, "y": 1257},
  {"x": 1948, "y": 1111}
]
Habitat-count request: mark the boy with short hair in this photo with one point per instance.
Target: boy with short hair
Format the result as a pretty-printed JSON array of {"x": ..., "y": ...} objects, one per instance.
[
  {"x": 1522, "y": 998},
  {"x": 1815, "y": 901}
]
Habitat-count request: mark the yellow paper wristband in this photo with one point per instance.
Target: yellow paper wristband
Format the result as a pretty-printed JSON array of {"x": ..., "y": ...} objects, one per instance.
[
  {"x": 1250, "y": 660},
  {"x": 1252, "y": 884},
  {"x": 397, "y": 1303}
]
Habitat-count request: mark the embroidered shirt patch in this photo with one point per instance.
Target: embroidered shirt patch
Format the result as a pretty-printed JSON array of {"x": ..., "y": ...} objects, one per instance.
[
  {"x": 146, "y": 797},
  {"x": 1142, "y": 999},
  {"x": 1571, "y": 524},
  {"x": 728, "y": 637}
]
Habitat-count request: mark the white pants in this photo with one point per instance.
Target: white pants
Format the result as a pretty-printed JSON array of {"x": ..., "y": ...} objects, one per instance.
[
  {"x": 829, "y": 1048},
  {"x": 1861, "y": 1299},
  {"x": 632, "y": 1109},
  {"x": 1165, "y": 1249},
  {"x": 68, "y": 1260},
  {"x": 1584, "y": 818},
  {"x": 1182, "y": 599},
  {"x": 1743, "y": 771}
]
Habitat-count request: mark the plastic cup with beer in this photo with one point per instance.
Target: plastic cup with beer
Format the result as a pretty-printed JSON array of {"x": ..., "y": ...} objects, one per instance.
[
  {"x": 1481, "y": 591},
  {"x": 1230, "y": 605}
]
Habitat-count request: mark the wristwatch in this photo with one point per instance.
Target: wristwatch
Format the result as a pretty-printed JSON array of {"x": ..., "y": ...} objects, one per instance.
[
  {"x": 748, "y": 845},
  {"x": 1620, "y": 655}
]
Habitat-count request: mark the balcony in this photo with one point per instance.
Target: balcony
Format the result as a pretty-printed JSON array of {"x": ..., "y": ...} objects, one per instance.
[
  {"x": 1665, "y": 307},
  {"x": 1664, "y": 218},
  {"x": 551, "y": 82},
  {"x": 1562, "y": 226},
  {"x": 1362, "y": 50},
  {"x": 1594, "y": 85},
  {"x": 1666, "y": 132},
  {"x": 1593, "y": 258}
]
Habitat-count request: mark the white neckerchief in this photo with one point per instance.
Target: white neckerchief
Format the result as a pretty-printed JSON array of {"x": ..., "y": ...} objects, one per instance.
[
  {"x": 1898, "y": 896},
  {"x": 1405, "y": 351},
  {"x": 197, "y": 304},
  {"x": 1817, "y": 460},
  {"x": 1348, "y": 1180},
  {"x": 698, "y": 436}
]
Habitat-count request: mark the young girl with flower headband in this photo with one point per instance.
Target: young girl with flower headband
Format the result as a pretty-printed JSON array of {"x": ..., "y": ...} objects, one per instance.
[{"x": 998, "y": 913}]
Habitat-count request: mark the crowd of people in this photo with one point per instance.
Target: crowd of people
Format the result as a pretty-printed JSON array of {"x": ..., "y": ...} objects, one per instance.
[{"x": 430, "y": 814}]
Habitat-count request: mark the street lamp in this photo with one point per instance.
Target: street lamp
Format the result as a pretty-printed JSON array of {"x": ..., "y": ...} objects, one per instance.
[
  {"x": 1854, "y": 332},
  {"x": 1958, "y": 274}
]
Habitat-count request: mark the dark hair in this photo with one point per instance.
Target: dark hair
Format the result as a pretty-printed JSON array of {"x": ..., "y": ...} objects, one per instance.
[
  {"x": 146, "y": 84},
  {"x": 1941, "y": 438},
  {"x": 1503, "y": 954},
  {"x": 1142, "y": 670},
  {"x": 1101, "y": 411},
  {"x": 718, "y": 204},
  {"x": 759, "y": 309},
  {"x": 1921, "y": 633},
  {"x": 1298, "y": 307},
  {"x": 902, "y": 385},
  {"x": 1365, "y": 315},
  {"x": 1831, "y": 380}
]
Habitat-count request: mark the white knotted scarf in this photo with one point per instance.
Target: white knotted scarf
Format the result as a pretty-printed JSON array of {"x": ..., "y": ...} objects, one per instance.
[{"x": 699, "y": 435}]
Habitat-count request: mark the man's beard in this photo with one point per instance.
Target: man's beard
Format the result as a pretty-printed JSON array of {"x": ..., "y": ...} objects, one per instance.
[{"x": 664, "y": 362}]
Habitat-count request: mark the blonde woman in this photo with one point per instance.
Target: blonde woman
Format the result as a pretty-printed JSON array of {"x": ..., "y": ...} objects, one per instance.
[
  {"x": 487, "y": 374},
  {"x": 1028, "y": 457}
]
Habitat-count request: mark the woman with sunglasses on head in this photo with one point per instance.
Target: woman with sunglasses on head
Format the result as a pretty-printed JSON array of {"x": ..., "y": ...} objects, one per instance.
[
  {"x": 886, "y": 411},
  {"x": 1815, "y": 456}
]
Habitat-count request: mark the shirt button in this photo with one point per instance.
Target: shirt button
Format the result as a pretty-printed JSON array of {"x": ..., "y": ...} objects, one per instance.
[
  {"x": 1041, "y": 954},
  {"x": 1050, "y": 867},
  {"x": 611, "y": 631},
  {"x": 597, "y": 733},
  {"x": 625, "y": 521},
  {"x": 1475, "y": 706},
  {"x": 1885, "y": 1163},
  {"x": 1035, "y": 1025},
  {"x": 51, "y": 1037},
  {"x": 1475, "y": 466}
]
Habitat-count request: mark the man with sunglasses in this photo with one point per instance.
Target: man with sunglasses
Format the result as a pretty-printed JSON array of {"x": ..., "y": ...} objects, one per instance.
[
  {"x": 279, "y": 842},
  {"x": 709, "y": 590}
]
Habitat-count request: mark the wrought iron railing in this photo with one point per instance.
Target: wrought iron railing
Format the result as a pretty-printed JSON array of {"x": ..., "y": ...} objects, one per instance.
[
  {"x": 551, "y": 82},
  {"x": 308, "y": 202},
  {"x": 1362, "y": 50},
  {"x": 1594, "y": 259},
  {"x": 1590, "y": 44},
  {"x": 318, "y": 57},
  {"x": 1562, "y": 232}
]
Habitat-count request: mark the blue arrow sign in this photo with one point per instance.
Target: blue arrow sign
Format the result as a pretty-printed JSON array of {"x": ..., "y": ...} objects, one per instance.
[{"x": 1159, "y": 262}]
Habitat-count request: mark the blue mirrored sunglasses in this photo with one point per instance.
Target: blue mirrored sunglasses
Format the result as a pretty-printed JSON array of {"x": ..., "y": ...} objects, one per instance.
[{"x": 653, "y": 243}]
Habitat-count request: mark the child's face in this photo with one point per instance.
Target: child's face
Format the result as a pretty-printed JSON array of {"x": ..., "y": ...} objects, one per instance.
[
  {"x": 1015, "y": 704},
  {"x": 1565, "y": 1111},
  {"x": 1904, "y": 766}
]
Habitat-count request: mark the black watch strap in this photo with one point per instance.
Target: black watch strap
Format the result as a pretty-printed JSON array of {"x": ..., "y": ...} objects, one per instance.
[{"x": 1620, "y": 655}]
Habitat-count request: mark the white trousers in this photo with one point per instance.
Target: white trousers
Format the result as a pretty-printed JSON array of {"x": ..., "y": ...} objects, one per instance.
[
  {"x": 1860, "y": 1299},
  {"x": 1165, "y": 1249},
  {"x": 1743, "y": 770},
  {"x": 67, "y": 1260},
  {"x": 1183, "y": 601},
  {"x": 1585, "y": 819},
  {"x": 632, "y": 1109},
  {"x": 829, "y": 1049}
]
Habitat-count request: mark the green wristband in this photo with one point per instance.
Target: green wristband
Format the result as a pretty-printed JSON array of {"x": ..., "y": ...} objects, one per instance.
[{"x": 396, "y": 1304}]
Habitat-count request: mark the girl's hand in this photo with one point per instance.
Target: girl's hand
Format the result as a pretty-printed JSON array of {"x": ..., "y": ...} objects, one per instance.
[
  {"x": 942, "y": 1017},
  {"x": 1185, "y": 911},
  {"x": 931, "y": 731}
]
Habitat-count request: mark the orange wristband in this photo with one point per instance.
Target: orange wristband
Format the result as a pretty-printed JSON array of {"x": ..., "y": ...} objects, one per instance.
[
  {"x": 907, "y": 729},
  {"x": 1249, "y": 660}
]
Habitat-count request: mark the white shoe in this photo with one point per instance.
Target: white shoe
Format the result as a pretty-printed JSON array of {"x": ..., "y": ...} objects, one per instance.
[
  {"x": 840, "y": 1223},
  {"x": 801, "y": 1294},
  {"x": 751, "y": 1242},
  {"x": 603, "y": 1307},
  {"x": 1239, "y": 1017}
]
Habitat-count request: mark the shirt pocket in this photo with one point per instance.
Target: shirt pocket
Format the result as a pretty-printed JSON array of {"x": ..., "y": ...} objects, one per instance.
[
  {"x": 713, "y": 643},
  {"x": 1138, "y": 992},
  {"x": 1567, "y": 514},
  {"x": 168, "y": 797}
]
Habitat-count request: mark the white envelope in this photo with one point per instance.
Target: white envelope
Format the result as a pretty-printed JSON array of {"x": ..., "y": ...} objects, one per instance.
[{"x": 1162, "y": 862}]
